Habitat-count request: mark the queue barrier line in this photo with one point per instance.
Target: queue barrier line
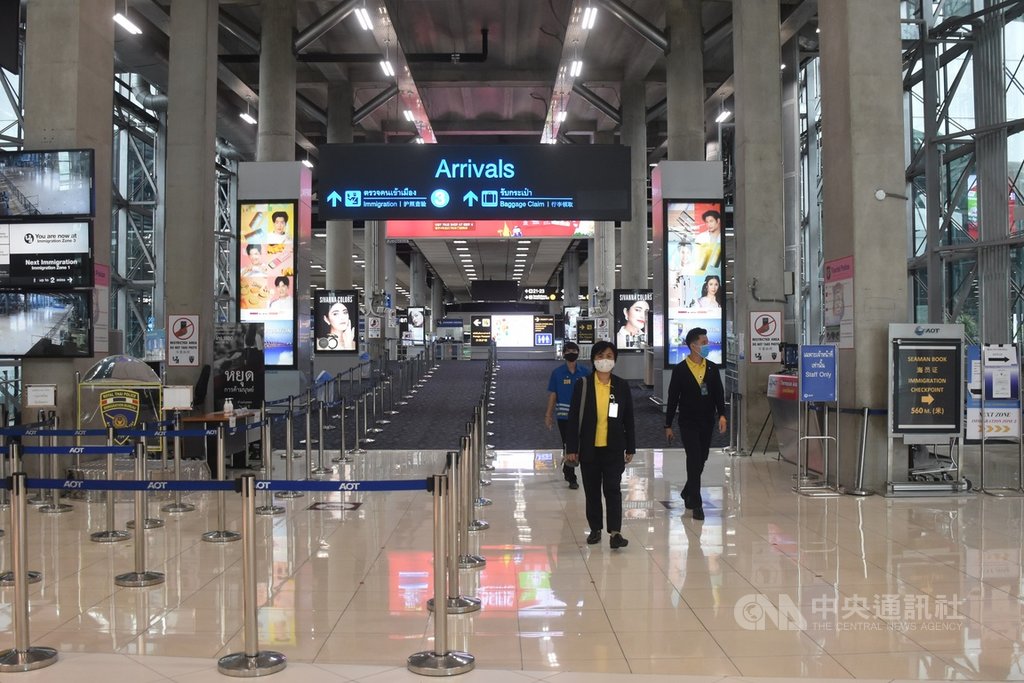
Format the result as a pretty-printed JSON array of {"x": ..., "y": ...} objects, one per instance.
[
  {"x": 75, "y": 450},
  {"x": 229, "y": 485}
]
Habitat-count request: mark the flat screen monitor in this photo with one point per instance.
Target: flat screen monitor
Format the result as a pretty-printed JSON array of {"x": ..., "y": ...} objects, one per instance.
[
  {"x": 46, "y": 255},
  {"x": 47, "y": 183},
  {"x": 494, "y": 290},
  {"x": 46, "y": 325}
]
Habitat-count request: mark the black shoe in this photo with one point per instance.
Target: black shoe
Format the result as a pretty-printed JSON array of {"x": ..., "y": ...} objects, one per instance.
[
  {"x": 573, "y": 485},
  {"x": 687, "y": 501},
  {"x": 594, "y": 537},
  {"x": 698, "y": 513},
  {"x": 617, "y": 541}
]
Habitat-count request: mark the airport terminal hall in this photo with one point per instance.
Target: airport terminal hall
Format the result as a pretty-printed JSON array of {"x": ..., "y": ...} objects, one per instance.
[{"x": 513, "y": 341}]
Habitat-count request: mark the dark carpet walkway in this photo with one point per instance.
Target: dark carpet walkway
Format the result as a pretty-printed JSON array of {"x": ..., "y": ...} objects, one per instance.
[{"x": 521, "y": 397}]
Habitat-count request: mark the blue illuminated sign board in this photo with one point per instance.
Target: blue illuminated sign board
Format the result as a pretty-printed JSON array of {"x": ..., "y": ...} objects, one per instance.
[
  {"x": 368, "y": 182},
  {"x": 818, "y": 381}
]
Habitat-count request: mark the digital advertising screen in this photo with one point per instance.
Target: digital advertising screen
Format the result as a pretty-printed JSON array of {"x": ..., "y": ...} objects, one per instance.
[
  {"x": 336, "y": 321},
  {"x": 488, "y": 229},
  {"x": 46, "y": 325},
  {"x": 512, "y": 330},
  {"x": 46, "y": 255},
  {"x": 417, "y": 324},
  {"x": 41, "y": 184},
  {"x": 695, "y": 293},
  {"x": 633, "y": 319},
  {"x": 266, "y": 275}
]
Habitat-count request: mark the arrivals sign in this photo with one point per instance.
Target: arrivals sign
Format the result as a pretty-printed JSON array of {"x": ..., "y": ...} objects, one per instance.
[
  {"x": 446, "y": 182},
  {"x": 926, "y": 381}
]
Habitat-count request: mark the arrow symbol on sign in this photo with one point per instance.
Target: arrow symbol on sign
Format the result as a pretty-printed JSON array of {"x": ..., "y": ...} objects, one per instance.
[
  {"x": 470, "y": 197},
  {"x": 333, "y": 198},
  {"x": 927, "y": 399},
  {"x": 1001, "y": 360}
]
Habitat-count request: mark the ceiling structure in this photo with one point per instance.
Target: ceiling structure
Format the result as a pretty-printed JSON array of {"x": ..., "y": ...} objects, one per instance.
[{"x": 479, "y": 72}]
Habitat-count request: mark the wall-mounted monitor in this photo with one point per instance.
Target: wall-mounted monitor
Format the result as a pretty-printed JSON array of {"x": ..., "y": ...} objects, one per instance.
[
  {"x": 46, "y": 255},
  {"x": 46, "y": 325},
  {"x": 494, "y": 290},
  {"x": 47, "y": 183}
]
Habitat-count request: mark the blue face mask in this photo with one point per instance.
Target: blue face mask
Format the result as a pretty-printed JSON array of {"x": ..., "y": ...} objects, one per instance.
[{"x": 704, "y": 351}]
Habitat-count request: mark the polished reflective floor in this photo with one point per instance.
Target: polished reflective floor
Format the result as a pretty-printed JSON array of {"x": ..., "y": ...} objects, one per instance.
[{"x": 771, "y": 584}]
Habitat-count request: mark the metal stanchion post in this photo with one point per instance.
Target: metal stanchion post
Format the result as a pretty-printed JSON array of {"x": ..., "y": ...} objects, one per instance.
[
  {"x": 374, "y": 421},
  {"x": 482, "y": 434},
  {"x": 480, "y": 450},
  {"x": 140, "y": 577},
  {"x": 268, "y": 507},
  {"x": 440, "y": 661},
  {"x": 177, "y": 505},
  {"x": 54, "y": 506},
  {"x": 342, "y": 453},
  {"x": 355, "y": 426},
  {"x": 252, "y": 661},
  {"x": 858, "y": 489},
  {"x": 474, "y": 481},
  {"x": 366, "y": 429},
  {"x": 4, "y": 458},
  {"x": 22, "y": 657},
  {"x": 221, "y": 534},
  {"x": 110, "y": 534},
  {"x": 143, "y": 475},
  {"x": 457, "y": 603},
  {"x": 288, "y": 455},
  {"x": 467, "y": 560},
  {"x": 7, "y": 578},
  {"x": 320, "y": 470}
]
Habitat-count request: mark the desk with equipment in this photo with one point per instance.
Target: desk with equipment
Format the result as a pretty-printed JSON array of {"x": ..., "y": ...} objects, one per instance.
[{"x": 237, "y": 445}]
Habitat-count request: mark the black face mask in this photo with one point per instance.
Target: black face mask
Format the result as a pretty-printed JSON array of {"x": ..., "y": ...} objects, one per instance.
[{"x": 571, "y": 357}]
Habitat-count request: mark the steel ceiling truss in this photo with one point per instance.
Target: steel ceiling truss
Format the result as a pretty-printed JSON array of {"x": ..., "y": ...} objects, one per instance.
[
  {"x": 224, "y": 258},
  {"x": 946, "y": 264},
  {"x": 12, "y": 131}
]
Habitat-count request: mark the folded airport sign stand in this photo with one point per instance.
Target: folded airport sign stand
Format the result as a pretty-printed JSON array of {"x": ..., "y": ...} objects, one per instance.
[{"x": 377, "y": 182}]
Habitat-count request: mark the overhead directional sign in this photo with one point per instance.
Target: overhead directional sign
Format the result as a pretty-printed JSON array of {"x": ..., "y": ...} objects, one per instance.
[{"x": 366, "y": 182}]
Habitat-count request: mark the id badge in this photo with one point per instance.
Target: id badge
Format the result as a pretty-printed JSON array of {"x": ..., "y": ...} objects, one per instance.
[
  {"x": 613, "y": 410},
  {"x": 703, "y": 389}
]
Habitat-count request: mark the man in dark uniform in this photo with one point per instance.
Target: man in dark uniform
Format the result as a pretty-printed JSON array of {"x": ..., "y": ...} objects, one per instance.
[
  {"x": 696, "y": 389},
  {"x": 560, "y": 386}
]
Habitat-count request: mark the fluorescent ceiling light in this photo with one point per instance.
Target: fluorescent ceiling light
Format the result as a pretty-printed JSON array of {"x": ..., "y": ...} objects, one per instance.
[
  {"x": 524, "y": 241},
  {"x": 409, "y": 115},
  {"x": 127, "y": 24},
  {"x": 459, "y": 242},
  {"x": 723, "y": 116},
  {"x": 589, "y": 17},
  {"x": 248, "y": 118},
  {"x": 307, "y": 163},
  {"x": 461, "y": 248},
  {"x": 562, "y": 115},
  {"x": 386, "y": 67},
  {"x": 577, "y": 68},
  {"x": 364, "y": 19}
]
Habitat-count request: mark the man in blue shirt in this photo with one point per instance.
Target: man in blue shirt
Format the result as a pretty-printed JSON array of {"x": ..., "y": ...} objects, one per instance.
[{"x": 563, "y": 379}]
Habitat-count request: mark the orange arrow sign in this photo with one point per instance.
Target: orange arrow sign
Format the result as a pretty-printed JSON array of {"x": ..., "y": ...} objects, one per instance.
[{"x": 927, "y": 399}]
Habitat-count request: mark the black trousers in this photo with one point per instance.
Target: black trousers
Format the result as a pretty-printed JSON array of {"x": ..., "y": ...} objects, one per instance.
[
  {"x": 696, "y": 440},
  {"x": 568, "y": 471},
  {"x": 602, "y": 473}
]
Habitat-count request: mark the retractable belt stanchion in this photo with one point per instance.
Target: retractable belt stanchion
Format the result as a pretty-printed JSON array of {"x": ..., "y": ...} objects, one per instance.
[
  {"x": 4, "y": 459},
  {"x": 320, "y": 469},
  {"x": 457, "y": 603},
  {"x": 8, "y": 577},
  {"x": 110, "y": 534},
  {"x": 308, "y": 440},
  {"x": 467, "y": 560},
  {"x": 252, "y": 661},
  {"x": 482, "y": 431},
  {"x": 374, "y": 421},
  {"x": 140, "y": 578},
  {"x": 481, "y": 454},
  {"x": 177, "y": 505},
  {"x": 54, "y": 506},
  {"x": 355, "y": 428},
  {"x": 342, "y": 453},
  {"x": 366, "y": 430},
  {"x": 858, "y": 489},
  {"x": 221, "y": 534},
  {"x": 22, "y": 657},
  {"x": 403, "y": 382},
  {"x": 268, "y": 507},
  {"x": 474, "y": 481},
  {"x": 38, "y": 497},
  {"x": 142, "y": 474},
  {"x": 288, "y": 455},
  {"x": 440, "y": 661}
]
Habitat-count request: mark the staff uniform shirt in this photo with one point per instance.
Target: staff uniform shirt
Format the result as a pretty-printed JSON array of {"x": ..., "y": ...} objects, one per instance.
[
  {"x": 561, "y": 383},
  {"x": 602, "y": 396},
  {"x": 698, "y": 369}
]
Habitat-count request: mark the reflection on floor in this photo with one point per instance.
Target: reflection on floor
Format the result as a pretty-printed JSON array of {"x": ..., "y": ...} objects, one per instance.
[{"x": 770, "y": 584}]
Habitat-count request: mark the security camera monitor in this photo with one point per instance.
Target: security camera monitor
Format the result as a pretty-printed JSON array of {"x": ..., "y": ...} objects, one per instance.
[
  {"x": 42, "y": 184},
  {"x": 46, "y": 325}
]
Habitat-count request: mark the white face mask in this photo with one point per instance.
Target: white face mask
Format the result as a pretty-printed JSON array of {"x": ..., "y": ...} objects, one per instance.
[{"x": 604, "y": 364}]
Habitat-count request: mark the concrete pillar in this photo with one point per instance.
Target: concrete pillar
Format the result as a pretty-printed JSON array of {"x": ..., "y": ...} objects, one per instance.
[
  {"x": 191, "y": 194},
  {"x": 419, "y": 295},
  {"x": 634, "y": 233},
  {"x": 276, "y": 127},
  {"x": 570, "y": 279},
  {"x": 862, "y": 113},
  {"x": 684, "y": 76},
  {"x": 759, "y": 212},
  {"x": 338, "y": 252},
  {"x": 436, "y": 305},
  {"x": 69, "y": 74}
]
